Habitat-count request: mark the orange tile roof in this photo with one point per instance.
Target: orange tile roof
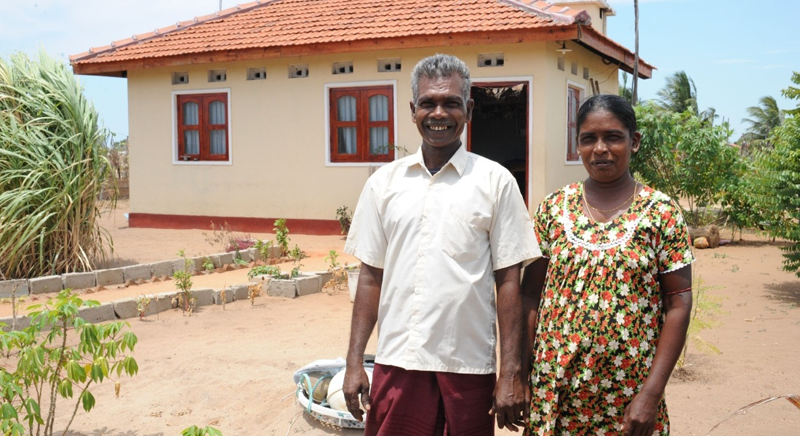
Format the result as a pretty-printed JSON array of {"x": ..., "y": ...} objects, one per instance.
[{"x": 271, "y": 24}]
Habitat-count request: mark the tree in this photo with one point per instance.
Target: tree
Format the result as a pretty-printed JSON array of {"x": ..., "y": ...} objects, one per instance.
[
  {"x": 778, "y": 170},
  {"x": 684, "y": 157},
  {"x": 763, "y": 119},
  {"x": 680, "y": 94}
]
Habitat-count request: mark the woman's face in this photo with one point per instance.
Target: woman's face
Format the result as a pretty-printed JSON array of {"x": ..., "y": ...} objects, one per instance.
[{"x": 606, "y": 146}]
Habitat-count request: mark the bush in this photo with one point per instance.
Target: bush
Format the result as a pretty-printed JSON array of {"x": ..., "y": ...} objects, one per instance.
[
  {"x": 48, "y": 366},
  {"x": 52, "y": 168}
]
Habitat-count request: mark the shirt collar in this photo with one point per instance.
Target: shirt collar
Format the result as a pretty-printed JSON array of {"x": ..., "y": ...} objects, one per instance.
[{"x": 458, "y": 160}]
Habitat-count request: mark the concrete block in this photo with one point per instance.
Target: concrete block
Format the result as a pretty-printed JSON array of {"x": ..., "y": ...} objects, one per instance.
[
  {"x": 254, "y": 254},
  {"x": 324, "y": 277},
  {"x": 45, "y": 285},
  {"x": 205, "y": 297},
  {"x": 102, "y": 313},
  {"x": 307, "y": 285},
  {"x": 127, "y": 308},
  {"x": 274, "y": 252},
  {"x": 162, "y": 302},
  {"x": 161, "y": 269},
  {"x": 79, "y": 280},
  {"x": 240, "y": 292},
  {"x": 245, "y": 254},
  {"x": 106, "y": 277},
  {"x": 282, "y": 288},
  {"x": 22, "y": 323},
  {"x": 136, "y": 272},
  {"x": 218, "y": 296},
  {"x": 19, "y": 287},
  {"x": 222, "y": 259},
  {"x": 195, "y": 265}
]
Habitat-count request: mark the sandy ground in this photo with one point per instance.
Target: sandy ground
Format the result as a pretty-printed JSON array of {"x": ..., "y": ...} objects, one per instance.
[{"x": 232, "y": 367}]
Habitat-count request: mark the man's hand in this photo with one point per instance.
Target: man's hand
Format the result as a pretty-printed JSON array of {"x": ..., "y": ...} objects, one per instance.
[
  {"x": 355, "y": 387},
  {"x": 640, "y": 415},
  {"x": 511, "y": 401}
]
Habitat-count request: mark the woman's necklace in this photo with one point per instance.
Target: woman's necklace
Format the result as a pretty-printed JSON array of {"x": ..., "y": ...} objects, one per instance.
[{"x": 589, "y": 206}]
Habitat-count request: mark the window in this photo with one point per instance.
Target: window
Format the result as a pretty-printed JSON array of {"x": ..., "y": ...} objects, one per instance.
[
  {"x": 573, "y": 102},
  {"x": 362, "y": 124},
  {"x": 203, "y": 127}
]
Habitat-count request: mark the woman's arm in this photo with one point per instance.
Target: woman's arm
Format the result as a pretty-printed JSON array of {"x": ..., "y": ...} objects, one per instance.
[{"x": 640, "y": 415}]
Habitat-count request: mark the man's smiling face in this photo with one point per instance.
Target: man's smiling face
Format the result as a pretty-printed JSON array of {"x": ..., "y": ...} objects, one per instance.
[{"x": 440, "y": 111}]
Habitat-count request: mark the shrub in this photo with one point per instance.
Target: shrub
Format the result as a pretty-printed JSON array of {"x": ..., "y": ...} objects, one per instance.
[
  {"x": 48, "y": 366},
  {"x": 52, "y": 168}
]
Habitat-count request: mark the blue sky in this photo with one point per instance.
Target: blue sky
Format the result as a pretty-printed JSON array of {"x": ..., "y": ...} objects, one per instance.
[{"x": 735, "y": 51}]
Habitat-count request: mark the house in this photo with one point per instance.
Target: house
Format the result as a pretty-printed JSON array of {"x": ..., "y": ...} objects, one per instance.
[{"x": 283, "y": 108}]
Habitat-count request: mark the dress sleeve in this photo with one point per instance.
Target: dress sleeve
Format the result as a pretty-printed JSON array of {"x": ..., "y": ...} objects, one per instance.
[
  {"x": 541, "y": 224},
  {"x": 366, "y": 239},
  {"x": 676, "y": 248}
]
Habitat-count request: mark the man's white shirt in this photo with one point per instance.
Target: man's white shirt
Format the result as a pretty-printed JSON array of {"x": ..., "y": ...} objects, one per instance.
[{"x": 438, "y": 240}]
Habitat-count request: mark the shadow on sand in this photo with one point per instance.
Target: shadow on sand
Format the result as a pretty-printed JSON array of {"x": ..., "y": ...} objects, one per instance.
[{"x": 786, "y": 292}]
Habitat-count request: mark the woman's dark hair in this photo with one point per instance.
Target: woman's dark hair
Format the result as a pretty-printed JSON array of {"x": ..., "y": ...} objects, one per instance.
[{"x": 613, "y": 104}]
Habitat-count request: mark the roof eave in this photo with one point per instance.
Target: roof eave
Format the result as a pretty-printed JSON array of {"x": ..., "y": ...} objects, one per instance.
[
  {"x": 118, "y": 68},
  {"x": 612, "y": 52}
]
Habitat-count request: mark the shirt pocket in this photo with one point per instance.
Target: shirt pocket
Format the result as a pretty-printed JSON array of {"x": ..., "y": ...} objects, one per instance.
[{"x": 466, "y": 236}]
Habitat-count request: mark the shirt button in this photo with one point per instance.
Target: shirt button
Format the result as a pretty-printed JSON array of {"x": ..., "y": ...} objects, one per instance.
[{"x": 421, "y": 254}]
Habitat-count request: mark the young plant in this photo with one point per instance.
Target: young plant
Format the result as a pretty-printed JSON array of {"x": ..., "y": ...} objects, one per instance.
[
  {"x": 345, "y": 218},
  {"x": 338, "y": 273},
  {"x": 282, "y": 236},
  {"x": 264, "y": 270},
  {"x": 332, "y": 259},
  {"x": 263, "y": 248},
  {"x": 183, "y": 282},
  {"x": 253, "y": 291},
  {"x": 59, "y": 355},
  {"x": 197, "y": 431},
  {"x": 704, "y": 313},
  {"x": 208, "y": 264},
  {"x": 142, "y": 301}
]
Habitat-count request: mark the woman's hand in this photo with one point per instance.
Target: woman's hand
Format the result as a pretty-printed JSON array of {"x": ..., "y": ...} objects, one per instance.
[{"x": 640, "y": 415}]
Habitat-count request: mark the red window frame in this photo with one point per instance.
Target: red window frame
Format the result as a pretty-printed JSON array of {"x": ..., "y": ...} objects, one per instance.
[
  {"x": 573, "y": 103},
  {"x": 362, "y": 124},
  {"x": 204, "y": 127}
]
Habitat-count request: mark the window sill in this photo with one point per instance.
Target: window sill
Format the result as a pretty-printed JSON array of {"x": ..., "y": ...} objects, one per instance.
[{"x": 201, "y": 162}]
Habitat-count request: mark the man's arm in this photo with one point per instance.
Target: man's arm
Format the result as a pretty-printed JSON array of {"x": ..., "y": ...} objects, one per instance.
[
  {"x": 640, "y": 415},
  {"x": 365, "y": 315},
  {"x": 532, "y": 285},
  {"x": 510, "y": 392}
]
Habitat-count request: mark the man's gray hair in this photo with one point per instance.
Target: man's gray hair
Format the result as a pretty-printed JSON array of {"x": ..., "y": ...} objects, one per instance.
[{"x": 440, "y": 65}]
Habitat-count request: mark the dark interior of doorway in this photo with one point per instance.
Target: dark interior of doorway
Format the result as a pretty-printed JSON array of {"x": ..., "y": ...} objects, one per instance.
[{"x": 499, "y": 127}]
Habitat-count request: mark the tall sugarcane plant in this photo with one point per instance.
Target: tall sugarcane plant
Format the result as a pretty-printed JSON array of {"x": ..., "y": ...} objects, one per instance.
[{"x": 52, "y": 169}]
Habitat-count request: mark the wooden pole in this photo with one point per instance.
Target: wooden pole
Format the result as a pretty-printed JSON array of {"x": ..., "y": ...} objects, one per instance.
[{"x": 635, "y": 90}]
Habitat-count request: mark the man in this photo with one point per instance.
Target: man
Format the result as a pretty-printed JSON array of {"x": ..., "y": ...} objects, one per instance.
[{"x": 434, "y": 232}]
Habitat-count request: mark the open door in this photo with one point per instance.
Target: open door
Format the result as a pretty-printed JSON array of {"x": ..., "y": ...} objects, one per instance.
[{"x": 499, "y": 127}]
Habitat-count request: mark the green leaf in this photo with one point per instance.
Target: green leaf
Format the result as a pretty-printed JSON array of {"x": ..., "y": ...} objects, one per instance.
[
  {"x": 65, "y": 388},
  {"x": 8, "y": 411},
  {"x": 88, "y": 401},
  {"x": 75, "y": 371}
]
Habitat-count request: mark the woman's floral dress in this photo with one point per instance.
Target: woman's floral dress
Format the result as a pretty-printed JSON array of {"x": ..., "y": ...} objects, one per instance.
[{"x": 601, "y": 314}]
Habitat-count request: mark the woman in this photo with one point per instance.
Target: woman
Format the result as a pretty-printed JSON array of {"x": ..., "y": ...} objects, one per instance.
[{"x": 611, "y": 294}]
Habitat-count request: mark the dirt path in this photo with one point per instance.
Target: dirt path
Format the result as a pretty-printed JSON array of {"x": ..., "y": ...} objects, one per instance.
[{"x": 232, "y": 368}]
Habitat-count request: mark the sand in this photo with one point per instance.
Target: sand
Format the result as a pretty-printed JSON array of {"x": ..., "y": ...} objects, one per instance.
[{"x": 232, "y": 367}]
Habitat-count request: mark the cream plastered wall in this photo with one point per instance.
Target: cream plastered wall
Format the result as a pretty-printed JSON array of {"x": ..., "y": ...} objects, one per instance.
[{"x": 279, "y": 167}]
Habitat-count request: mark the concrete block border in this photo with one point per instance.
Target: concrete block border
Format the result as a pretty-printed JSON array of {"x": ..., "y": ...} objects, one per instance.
[{"x": 126, "y": 308}]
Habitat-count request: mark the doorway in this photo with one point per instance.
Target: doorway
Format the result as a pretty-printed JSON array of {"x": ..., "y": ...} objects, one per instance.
[{"x": 499, "y": 127}]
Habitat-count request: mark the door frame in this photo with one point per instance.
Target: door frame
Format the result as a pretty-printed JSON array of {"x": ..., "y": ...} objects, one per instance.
[{"x": 490, "y": 82}]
